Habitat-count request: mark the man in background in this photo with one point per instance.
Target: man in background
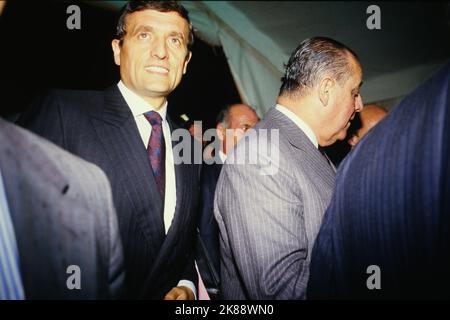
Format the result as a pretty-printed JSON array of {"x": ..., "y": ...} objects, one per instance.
[
  {"x": 232, "y": 123},
  {"x": 368, "y": 118}
]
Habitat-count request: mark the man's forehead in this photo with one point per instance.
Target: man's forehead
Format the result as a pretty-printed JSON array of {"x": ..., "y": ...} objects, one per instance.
[
  {"x": 170, "y": 20},
  {"x": 357, "y": 70}
]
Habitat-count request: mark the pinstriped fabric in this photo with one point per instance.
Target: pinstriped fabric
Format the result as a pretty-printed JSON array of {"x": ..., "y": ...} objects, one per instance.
[
  {"x": 99, "y": 127},
  {"x": 11, "y": 287},
  {"x": 62, "y": 211},
  {"x": 391, "y": 207},
  {"x": 268, "y": 223}
]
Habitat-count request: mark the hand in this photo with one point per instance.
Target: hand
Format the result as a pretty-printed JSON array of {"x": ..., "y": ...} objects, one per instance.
[{"x": 180, "y": 293}]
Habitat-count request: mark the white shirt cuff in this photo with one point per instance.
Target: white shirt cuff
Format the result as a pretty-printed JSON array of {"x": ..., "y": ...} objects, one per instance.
[{"x": 190, "y": 285}]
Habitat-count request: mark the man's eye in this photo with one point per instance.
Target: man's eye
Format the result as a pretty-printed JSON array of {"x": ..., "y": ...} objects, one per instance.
[
  {"x": 143, "y": 35},
  {"x": 175, "y": 41}
]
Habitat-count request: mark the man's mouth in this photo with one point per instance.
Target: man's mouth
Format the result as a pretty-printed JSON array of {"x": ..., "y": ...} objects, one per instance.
[{"x": 157, "y": 69}]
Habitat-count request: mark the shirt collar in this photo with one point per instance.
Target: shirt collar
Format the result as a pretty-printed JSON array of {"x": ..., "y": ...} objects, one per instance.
[
  {"x": 222, "y": 156},
  {"x": 137, "y": 105},
  {"x": 300, "y": 123}
]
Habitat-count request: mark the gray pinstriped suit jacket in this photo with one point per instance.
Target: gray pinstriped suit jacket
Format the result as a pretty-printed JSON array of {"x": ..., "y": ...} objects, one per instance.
[{"x": 268, "y": 223}]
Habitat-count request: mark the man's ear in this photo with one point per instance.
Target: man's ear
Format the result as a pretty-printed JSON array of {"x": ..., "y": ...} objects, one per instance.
[
  {"x": 188, "y": 58},
  {"x": 115, "y": 44},
  {"x": 325, "y": 87}
]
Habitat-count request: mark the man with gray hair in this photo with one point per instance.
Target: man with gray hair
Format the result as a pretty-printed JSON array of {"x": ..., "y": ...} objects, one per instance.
[{"x": 268, "y": 222}]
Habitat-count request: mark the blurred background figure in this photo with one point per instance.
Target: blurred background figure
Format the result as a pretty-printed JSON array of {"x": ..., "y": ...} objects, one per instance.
[
  {"x": 236, "y": 119},
  {"x": 360, "y": 125},
  {"x": 368, "y": 118}
]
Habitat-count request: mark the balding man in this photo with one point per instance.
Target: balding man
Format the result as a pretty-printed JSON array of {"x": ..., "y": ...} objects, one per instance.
[
  {"x": 269, "y": 211},
  {"x": 232, "y": 123},
  {"x": 369, "y": 117}
]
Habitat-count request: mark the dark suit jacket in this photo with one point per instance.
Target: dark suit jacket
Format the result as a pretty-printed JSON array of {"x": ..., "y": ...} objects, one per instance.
[
  {"x": 99, "y": 127},
  {"x": 391, "y": 206},
  {"x": 62, "y": 212},
  {"x": 207, "y": 225}
]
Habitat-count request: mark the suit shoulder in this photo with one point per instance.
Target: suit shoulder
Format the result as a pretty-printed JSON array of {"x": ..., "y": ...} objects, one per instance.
[
  {"x": 75, "y": 98},
  {"x": 20, "y": 141}
]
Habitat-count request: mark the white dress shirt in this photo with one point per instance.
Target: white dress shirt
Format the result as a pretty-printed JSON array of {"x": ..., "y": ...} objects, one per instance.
[
  {"x": 138, "y": 107},
  {"x": 305, "y": 128},
  {"x": 300, "y": 123}
]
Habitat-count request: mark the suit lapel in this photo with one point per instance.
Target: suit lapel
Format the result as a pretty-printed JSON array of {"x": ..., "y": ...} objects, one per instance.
[
  {"x": 182, "y": 177},
  {"x": 118, "y": 132},
  {"x": 183, "y": 174}
]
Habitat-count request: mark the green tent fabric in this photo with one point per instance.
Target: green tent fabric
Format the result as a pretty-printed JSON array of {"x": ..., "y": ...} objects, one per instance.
[{"x": 259, "y": 36}]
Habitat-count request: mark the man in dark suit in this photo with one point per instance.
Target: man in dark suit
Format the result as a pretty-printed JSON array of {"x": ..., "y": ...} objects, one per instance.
[
  {"x": 64, "y": 222},
  {"x": 232, "y": 123},
  {"x": 126, "y": 132},
  {"x": 386, "y": 233}
]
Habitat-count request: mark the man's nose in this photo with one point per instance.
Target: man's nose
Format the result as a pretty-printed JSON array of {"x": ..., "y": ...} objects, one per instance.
[
  {"x": 359, "y": 105},
  {"x": 159, "y": 49}
]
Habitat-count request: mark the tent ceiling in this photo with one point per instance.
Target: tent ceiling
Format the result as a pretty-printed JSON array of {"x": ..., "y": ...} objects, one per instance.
[
  {"x": 408, "y": 37},
  {"x": 259, "y": 36}
]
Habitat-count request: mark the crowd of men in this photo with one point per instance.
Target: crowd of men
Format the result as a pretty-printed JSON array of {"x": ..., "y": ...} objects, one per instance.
[{"x": 92, "y": 181}]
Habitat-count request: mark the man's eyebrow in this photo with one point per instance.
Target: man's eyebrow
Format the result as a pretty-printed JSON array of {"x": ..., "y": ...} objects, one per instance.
[
  {"x": 358, "y": 87},
  {"x": 177, "y": 34},
  {"x": 142, "y": 28}
]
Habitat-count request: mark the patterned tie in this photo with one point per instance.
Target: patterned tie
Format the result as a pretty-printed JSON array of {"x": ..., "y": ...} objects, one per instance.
[{"x": 156, "y": 150}]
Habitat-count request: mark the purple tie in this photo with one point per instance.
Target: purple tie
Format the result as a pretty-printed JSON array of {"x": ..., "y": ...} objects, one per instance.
[{"x": 156, "y": 150}]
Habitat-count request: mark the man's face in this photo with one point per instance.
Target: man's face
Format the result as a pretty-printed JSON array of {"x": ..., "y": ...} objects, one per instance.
[
  {"x": 154, "y": 55},
  {"x": 240, "y": 119},
  {"x": 345, "y": 101}
]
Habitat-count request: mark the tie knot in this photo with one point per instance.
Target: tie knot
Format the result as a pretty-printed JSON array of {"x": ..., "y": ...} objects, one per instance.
[{"x": 153, "y": 117}]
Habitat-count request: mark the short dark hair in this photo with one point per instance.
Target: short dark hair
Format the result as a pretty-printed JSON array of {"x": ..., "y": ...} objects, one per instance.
[
  {"x": 161, "y": 6},
  {"x": 312, "y": 59}
]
